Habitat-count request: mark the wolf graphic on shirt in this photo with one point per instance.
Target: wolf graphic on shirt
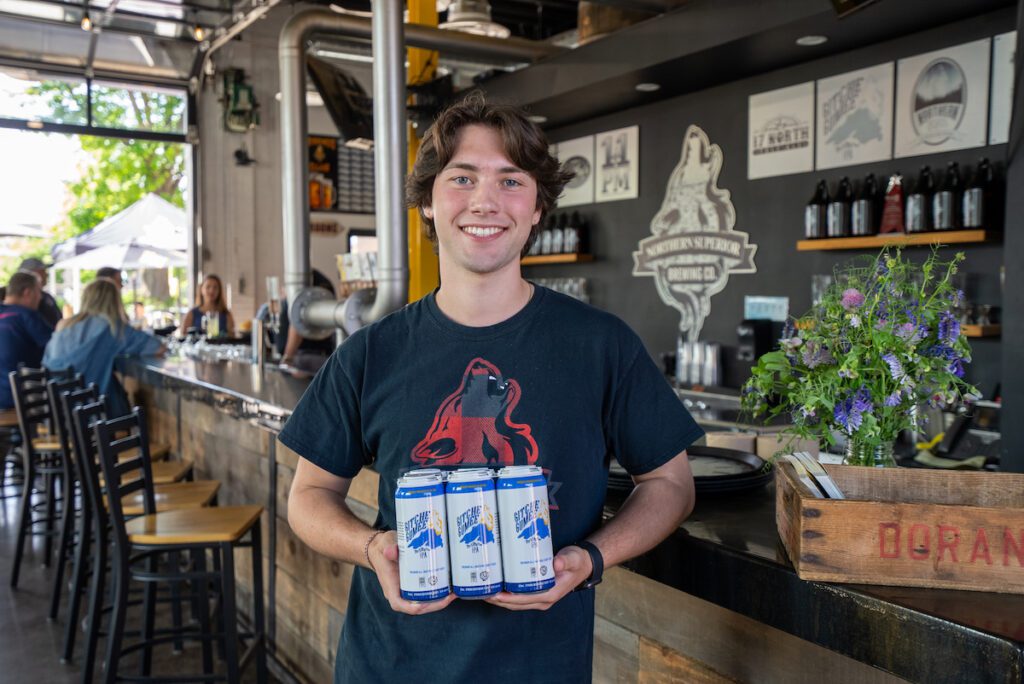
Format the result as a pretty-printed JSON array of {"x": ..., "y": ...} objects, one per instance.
[{"x": 474, "y": 426}]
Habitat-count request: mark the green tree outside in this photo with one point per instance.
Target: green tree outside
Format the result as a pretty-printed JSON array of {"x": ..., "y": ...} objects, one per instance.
[{"x": 120, "y": 171}]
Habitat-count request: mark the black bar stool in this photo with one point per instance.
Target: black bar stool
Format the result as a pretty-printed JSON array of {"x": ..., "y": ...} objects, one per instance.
[
  {"x": 137, "y": 543},
  {"x": 94, "y": 523},
  {"x": 40, "y": 457}
]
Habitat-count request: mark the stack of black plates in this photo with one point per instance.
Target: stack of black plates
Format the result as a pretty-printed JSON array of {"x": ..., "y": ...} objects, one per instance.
[{"x": 715, "y": 471}]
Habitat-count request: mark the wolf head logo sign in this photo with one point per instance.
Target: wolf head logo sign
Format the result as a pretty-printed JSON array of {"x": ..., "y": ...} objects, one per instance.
[
  {"x": 473, "y": 425},
  {"x": 693, "y": 248}
]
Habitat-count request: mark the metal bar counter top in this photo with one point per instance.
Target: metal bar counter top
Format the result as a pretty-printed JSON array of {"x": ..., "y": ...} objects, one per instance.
[{"x": 719, "y": 592}]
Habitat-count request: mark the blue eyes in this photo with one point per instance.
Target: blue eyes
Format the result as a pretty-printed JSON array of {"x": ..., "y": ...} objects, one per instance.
[{"x": 505, "y": 182}]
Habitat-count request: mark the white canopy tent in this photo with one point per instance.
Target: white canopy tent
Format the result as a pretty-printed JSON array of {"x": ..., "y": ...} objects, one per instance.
[{"x": 152, "y": 233}]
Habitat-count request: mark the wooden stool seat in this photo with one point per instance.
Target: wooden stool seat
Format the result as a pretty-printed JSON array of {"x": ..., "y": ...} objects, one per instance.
[
  {"x": 8, "y": 418},
  {"x": 193, "y": 526},
  {"x": 166, "y": 472},
  {"x": 175, "y": 496},
  {"x": 46, "y": 443}
]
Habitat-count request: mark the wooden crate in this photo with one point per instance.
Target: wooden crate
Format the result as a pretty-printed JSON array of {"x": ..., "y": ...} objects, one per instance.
[{"x": 906, "y": 527}]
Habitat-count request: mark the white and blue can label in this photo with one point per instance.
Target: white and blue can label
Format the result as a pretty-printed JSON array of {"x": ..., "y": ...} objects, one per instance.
[
  {"x": 422, "y": 538},
  {"x": 475, "y": 542},
  {"x": 525, "y": 523}
]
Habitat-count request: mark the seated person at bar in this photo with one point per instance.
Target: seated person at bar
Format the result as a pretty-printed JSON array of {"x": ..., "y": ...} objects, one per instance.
[
  {"x": 48, "y": 309},
  {"x": 112, "y": 274},
  {"x": 90, "y": 341},
  {"x": 294, "y": 349},
  {"x": 211, "y": 305},
  {"x": 23, "y": 333}
]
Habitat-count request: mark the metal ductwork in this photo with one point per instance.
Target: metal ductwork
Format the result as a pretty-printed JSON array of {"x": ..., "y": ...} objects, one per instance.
[{"x": 313, "y": 312}]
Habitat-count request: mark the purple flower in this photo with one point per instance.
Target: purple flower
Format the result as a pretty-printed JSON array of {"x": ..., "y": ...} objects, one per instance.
[
  {"x": 893, "y": 399},
  {"x": 906, "y": 331},
  {"x": 949, "y": 328},
  {"x": 956, "y": 367},
  {"x": 850, "y": 411},
  {"x": 855, "y": 321},
  {"x": 852, "y": 299},
  {"x": 895, "y": 367},
  {"x": 816, "y": 354}
]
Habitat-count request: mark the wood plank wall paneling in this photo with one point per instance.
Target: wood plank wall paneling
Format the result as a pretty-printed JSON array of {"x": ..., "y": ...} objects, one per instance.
[
  {"x": 644, "y": 631},
  {"x": 729, "y": 644}
]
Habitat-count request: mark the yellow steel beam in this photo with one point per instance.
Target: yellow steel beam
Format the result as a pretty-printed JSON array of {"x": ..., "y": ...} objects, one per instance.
[{"x": 423, "y": 268}]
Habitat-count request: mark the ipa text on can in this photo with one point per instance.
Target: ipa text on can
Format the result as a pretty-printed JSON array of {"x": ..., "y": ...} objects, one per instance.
[
  {"x": 422, "y": 538},
  {"x": 525, "y": 523}
]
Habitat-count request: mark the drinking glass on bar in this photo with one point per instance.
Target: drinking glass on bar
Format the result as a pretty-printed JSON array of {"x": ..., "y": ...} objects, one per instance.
[{"x": 274, "y": 302}]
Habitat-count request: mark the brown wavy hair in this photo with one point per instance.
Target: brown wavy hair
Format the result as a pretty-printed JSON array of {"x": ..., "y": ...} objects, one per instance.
[
  {"x": 524, "y": 143},
  {"x": 219, "y": 305}
]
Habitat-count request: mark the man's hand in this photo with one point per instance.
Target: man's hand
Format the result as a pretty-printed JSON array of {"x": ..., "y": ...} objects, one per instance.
[
  {"x": 383, "y": 553},
  {"x": 572, "y": 567}
]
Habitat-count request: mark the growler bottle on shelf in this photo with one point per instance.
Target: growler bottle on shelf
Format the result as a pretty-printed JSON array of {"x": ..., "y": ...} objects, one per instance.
[
  {"x": 815, "y": 214},
  {"x": 892, "y": 208},
  {"x": 977, "y": 196},
  {"x": 571, "y": 236},
  {"x": 558, "y": 235},
  {"x": 838, "y": 214},
  {"x": 946, "y": 203},
  {"x": 864, "y": 210},
  {"x": 919, "y": 215},
  {"x": 582, "y": 233}
]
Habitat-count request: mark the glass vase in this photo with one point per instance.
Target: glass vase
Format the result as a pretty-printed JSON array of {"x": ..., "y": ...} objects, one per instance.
[{"x": 861, "y": 453}]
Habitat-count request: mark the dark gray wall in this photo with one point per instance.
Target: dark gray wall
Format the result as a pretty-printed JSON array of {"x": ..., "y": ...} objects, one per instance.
[
  {"x": 770, "y": 210},
  {"x": 1013, "y": 326}
]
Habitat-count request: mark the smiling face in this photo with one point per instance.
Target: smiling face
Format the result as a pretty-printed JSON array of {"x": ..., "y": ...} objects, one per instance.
[
  {"x": 482, "y": 206},
  {"x": 210, "y": 291}
]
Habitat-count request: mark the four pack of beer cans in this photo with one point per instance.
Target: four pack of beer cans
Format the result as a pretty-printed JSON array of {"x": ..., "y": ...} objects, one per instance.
[{"x": 473, "y": 532}]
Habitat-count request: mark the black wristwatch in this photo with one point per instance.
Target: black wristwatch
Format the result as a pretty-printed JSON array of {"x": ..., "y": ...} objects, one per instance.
[{"x": 596, "y": 560}]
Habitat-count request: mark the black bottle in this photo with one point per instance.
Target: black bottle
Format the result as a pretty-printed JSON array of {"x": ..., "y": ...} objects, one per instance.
[
  {"x": 977, "y": 197},
  {"x": 946, "y": 203},
  {"x": 582, "y": 233},
  {"x": 838, "y": 215},
  {"x": 864, "y": 211},
  {"x": 919, "y": 214},
  {"x": 815, "y": 218}
]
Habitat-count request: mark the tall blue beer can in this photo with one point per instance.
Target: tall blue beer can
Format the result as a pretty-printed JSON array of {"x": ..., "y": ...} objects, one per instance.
[
  {"x": 525, "y": 523},
  {"x": 474, "y": 540},
  {"x": 422, "y": 539}
]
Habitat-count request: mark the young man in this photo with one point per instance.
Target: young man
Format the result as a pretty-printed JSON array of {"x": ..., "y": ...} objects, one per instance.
[
  {"x": 488, "y": 370},
  {"x": 23, "y": 334}
]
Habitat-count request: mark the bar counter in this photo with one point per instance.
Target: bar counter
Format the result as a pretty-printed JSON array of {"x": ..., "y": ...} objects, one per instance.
[{"x": 717, "y": 601}]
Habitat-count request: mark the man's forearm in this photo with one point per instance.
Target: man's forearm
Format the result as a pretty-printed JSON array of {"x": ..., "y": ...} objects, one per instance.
[
  {"x": 653, "y": 511},
  {"x": 321, "y": 518}
]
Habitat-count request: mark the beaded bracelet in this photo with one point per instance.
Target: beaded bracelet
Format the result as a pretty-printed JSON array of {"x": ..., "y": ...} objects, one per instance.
[{"x": 366, "y": 548}]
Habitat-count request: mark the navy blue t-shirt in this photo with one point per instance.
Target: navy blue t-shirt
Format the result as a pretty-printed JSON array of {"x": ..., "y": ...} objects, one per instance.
[
  {"x": 561, "y": 385},
  {"x": 23, "y": 336}
]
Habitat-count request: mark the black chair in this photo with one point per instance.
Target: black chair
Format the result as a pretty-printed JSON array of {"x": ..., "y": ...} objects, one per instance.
[
  {"x": 55, "y": 388},
  {"x": 81, "y": 409},
  {"x": 41, "y": 457},
  {"x": 139, "y": 543}
]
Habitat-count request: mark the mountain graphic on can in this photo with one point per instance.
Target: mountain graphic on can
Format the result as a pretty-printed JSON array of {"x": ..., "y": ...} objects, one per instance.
[
  {"x": 538, "y": 530},
  {"x": 482, "y": 533},
  {"x": 430, "y": 538}
]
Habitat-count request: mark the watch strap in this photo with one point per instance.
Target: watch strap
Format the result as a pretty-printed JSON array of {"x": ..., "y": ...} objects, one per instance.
[{"x": 597, "y": 563}]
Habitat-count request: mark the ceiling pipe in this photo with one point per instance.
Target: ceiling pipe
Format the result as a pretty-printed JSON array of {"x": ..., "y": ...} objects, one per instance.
[{"x": 313, "y": 312}]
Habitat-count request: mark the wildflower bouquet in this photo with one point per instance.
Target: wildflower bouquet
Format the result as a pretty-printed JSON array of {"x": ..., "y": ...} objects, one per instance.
[{"x": 883, "y": 340}]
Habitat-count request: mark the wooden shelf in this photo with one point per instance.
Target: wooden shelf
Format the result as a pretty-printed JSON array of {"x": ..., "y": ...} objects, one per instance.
[
  {"x": 541, "y": 259},
  {"x": 942, "y": 237},
  {"x": 981, "y": 330}
]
